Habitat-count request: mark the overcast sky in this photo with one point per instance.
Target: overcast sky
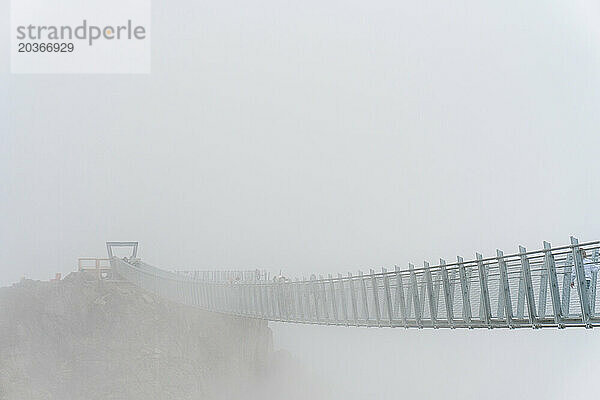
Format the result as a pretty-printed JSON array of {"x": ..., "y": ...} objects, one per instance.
[{"x": 311, "y": 137}]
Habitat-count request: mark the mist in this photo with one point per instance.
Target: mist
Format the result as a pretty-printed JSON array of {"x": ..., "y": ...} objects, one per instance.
[{"x": 324, "y": 138}]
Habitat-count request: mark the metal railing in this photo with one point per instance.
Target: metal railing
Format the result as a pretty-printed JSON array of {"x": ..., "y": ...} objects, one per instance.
[
  {"x": 526, "y": 289},
  {"x": 231, "y": 276},
  {"x": 99, "y": 266}
]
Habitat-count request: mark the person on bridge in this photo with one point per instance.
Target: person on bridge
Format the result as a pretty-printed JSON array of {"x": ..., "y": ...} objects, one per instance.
[{"x": 589, "y": 266}]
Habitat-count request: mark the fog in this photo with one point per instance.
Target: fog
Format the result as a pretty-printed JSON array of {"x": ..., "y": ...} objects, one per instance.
[{"x": 326, "y": 137}]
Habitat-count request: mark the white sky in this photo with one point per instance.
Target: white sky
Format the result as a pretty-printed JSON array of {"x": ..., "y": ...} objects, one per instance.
[{"x": 311, "y": 137}]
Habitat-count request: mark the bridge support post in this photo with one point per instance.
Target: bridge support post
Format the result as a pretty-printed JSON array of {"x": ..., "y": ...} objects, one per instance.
[
  {"x": 485, "y": 295},
  {"x": 305, "y": 294},
  {"x": 505, "y": 290},
  {"x": 400, "y": 301},
  {"x": 363, "y": 287},
  {"x": 210, "y": 296},
  {"x": 309, "y": 296},
  {"x": 242, "y": 296},
  {"x": 594, "y": 288},
  {"x": 447, "y": 294},
  {"x": 286, "y": 301},
  {"x": 290, "y": 295},
  {"x": 306, "y": 309},
  {"x": 196, "y": 292},
  {"x": 415, "y": 295},
  {"x": 292, "y": 286},
  {"x": 299, "y": 308},
  {"x": 566, "y": 286},
  {"x": 215, "y": 293},
  {"x": 582, "y": 290},
  {"x": 272, "y": 300},
  {"x": 256, "y": 300},
  {"x": 550, "y": 267},
  {"x": 276, "y": 300},
  {"x": 221, "y": 291},
  {"x": 353, "y": 298},
  {"x": 343, "y": 298},
  {"x": 194, "y": 287},
  {"x": 281, "y": 306},
  {"x": 429, "y": 287},
  {"x": 261, "y": 305},
  {"x": 202, "y": 295},
  {"x": 543, "y": 293},
  {"x": 453, "y": 275},
  {"x": 316, "y": 296},
  {"x": 437, "y": 284},
  {"x": 521, "y": 296},
  {"x": 240, "y": 291},
  {"x": 388, "y": 296},
  {"x": 464, "y": 285},
  {"x": 592, "y": 294},
  {"x": 528, "y": 287},
  {"x": 324, "y": 297},
  {"x": 375, "y": 287},
  {"x": 333, "y": 300},
  {"x": 422, "y": 291}
]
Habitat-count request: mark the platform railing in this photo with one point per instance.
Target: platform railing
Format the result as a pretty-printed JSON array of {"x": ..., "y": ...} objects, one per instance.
[
  {"x": 228, "y": 275},
  {"x": 101, "y": 267},
  {"x": 549, "y": 287}
]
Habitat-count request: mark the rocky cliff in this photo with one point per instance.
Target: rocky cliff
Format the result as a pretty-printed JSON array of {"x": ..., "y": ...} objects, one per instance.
[{"x": 80, "y": 338}]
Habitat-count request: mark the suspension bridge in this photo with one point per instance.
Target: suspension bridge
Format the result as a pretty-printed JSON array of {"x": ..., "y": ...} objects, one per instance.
[{"x": 549, "y": 287}]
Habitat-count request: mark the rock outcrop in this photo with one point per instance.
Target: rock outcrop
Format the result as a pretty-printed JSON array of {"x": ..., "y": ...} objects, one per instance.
[{"x": 81, "y": 338}]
